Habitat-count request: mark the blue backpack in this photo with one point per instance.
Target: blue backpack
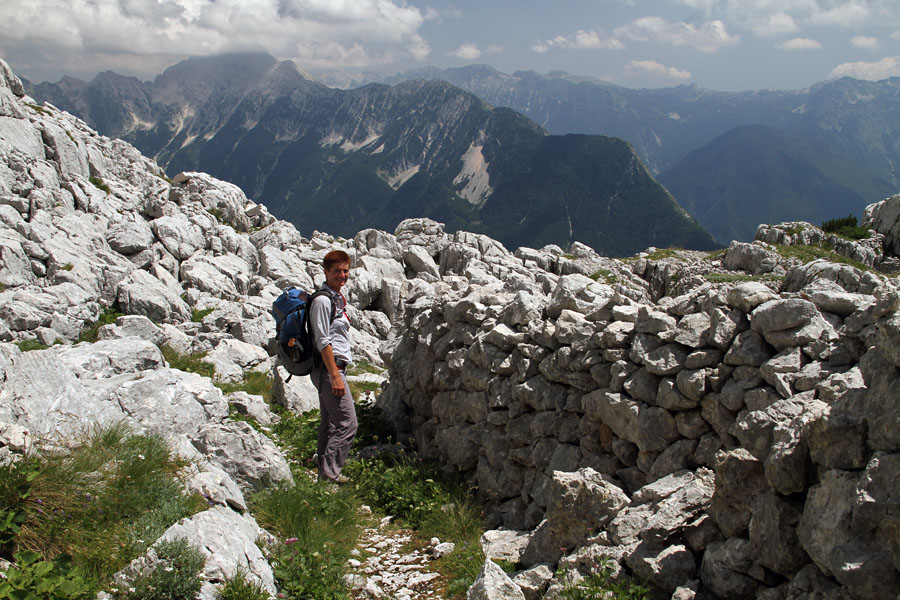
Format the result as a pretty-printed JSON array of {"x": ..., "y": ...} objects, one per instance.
[{"x": 293, "y": 332}]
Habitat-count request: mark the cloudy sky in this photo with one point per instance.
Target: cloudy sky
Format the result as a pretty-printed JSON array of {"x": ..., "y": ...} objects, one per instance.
[{"x": 717, "y": 44}]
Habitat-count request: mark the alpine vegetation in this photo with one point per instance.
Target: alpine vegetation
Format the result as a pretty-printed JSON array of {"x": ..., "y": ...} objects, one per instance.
[{"x": 701, "y": 425}]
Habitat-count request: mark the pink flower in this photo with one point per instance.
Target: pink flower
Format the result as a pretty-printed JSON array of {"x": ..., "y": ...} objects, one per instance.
[{"x": 290, "y": 540}]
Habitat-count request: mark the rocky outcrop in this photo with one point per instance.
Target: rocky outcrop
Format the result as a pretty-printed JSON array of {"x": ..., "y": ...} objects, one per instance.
[{"x": 727, "y": 439}]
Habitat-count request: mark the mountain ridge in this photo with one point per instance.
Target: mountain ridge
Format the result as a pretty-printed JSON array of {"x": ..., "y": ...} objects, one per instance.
[{"x": 380, "y": 153}]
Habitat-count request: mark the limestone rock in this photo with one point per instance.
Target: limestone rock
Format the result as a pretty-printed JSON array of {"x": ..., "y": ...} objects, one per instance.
[{"x": 493, "y": 583}]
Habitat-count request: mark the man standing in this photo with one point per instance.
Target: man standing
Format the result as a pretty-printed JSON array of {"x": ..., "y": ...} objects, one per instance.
[{"x": 331, "y": 336}]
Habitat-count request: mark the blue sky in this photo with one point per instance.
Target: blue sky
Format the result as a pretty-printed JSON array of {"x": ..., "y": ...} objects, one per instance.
[{"x": 717, "y": 44}]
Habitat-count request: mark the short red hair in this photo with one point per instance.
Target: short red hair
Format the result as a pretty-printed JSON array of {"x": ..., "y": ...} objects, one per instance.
[{"x": 335, "y": 257}]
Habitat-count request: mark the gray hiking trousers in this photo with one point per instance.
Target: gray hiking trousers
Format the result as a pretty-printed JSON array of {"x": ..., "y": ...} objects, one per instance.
[{"x": 337, "y": 425}]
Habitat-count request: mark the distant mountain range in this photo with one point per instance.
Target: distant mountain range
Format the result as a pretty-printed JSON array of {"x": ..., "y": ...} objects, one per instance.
[
  {"x": 845, "y": 133},
  {"x": 343, "y": 160}
]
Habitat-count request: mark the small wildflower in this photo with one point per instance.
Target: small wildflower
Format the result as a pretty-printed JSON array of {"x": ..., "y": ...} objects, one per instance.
[
  {"x": 141, "y": 456},
  {"x": 290, "y": 540},
  {"x": 281, "y": 595}
]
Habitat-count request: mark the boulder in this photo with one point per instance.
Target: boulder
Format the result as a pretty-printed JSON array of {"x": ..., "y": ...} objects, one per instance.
[
  {"x": 493, "y": 583},
  {"x": 228, "y": 542},
  {"x": 249, "y": 457}
]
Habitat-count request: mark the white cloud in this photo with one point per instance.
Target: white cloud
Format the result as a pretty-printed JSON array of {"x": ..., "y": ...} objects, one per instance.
[
  {"x": 494, "y": 49},
  {"x": 704, "y": 6},
  {"x": 467, "y": 51},
  {"x": 707, "y": 37},
  {"x": 581, "y": 40},
  {"x": 874, "y": 71},
  {"x": 800, "y": 44},
  {"x": 651, "y": 67},
  {"x": 776, "y": 24},
  {"x": 844, "y": 15},
  {"x": 862, "y": 41},
  {"x": 419, "y": 47},
  {"x": 323, "y": 32},
  {"x": 540, "y": 47}
]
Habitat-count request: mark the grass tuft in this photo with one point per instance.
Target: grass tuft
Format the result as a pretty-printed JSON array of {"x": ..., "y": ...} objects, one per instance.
[
  {"x": 107, "y": 317},
  {"x": 101, "y": 501},
  {"x": 316, "y": 531},
  {"x": 191, "y": 363},
  {"x": 599, "y": 584},
  {"x": 241, "y": 587},
  {"x": 99, "y": 184},
  {"x": 175, "y": 575}
]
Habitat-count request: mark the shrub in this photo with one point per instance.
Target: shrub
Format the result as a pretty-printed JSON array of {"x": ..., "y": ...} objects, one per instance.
[
  {"x": 846, "y": 227},
  {"x": 31, "y": 578},
  {"x": 240, "y": 587},
  {"x": 174, "y": 576}
]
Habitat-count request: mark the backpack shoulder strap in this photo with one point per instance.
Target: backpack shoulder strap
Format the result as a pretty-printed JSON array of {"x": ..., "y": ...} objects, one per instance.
[{"x": 330, "y": 294}]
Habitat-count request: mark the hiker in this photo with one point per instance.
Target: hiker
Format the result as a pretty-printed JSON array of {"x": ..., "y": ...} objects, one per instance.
[{"x": 332, "y": 341}]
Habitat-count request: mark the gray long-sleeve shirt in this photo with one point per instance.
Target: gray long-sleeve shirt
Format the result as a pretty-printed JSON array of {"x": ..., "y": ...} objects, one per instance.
[{"x": 337, "y": 332}]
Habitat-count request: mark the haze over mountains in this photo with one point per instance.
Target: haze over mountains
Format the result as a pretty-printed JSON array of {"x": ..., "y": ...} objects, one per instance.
[
  {"x": 339, "y": 160},
  {"x": 343, "y": 160},
  {"x": 835, "y": 146}
]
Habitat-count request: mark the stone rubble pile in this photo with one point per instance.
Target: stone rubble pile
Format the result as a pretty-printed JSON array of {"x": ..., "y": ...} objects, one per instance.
[
  {"x": 719, "y": 440},
  {"x": 386, "y": 567}
]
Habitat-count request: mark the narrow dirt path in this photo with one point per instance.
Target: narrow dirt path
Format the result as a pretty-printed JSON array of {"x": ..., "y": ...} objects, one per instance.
[{"x": 387, "y": 565}]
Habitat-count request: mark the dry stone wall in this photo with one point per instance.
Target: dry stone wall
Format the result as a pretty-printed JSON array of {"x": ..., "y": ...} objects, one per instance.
[{"x": 739, "y": 439}]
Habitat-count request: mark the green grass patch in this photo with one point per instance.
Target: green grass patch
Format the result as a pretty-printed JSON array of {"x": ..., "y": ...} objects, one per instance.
[
  {"x": 728, "y": 277},
  {"x": 807, "y": 254},
  {"x": 359, "y": 389},
  {"x": 191, "y": 363},
  {"x": 316, "y": 530},
  {"x": 255, "y": 382},
  {"x": 794, "y": 229},
  {"x": 99, "y": 183},
  {"x": 240, "y": 587},
  {"x": 661, "y": 253},
  {"x": 67, "y": 267},
  {"x": 600, "y": 585},
  {"x": 29, "y": 345},
  {"x": 716, "y": 254},
  {"x": 175, "y": 575},
  {"x": 604, "y": 274},
  {"x": 364, "y": 366},
  {"x": 107, "y": 317},
  {"x": 197, "y": 315},
  {"x": 100, "y": 502},
  {"x": 39, "y": 109}
]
